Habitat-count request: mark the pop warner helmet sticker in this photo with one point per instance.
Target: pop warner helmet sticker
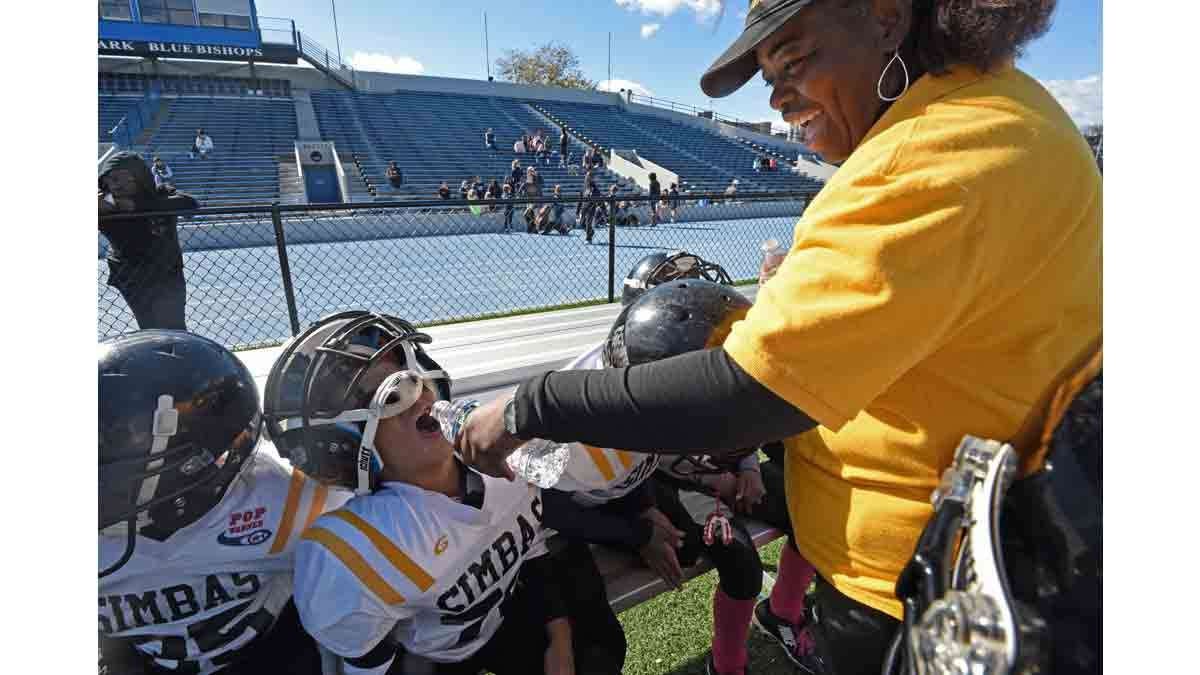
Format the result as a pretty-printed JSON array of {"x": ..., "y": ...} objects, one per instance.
[{"x": 245, "y": 529}]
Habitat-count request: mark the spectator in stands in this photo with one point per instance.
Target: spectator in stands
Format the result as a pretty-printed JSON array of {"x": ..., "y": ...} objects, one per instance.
[
  {"x": 588, "y": 177},
  {"x": 202, "y": 145},
  {"x": 444, "y": 190},
  {"x": 145, "y": 263},
  {"x": 519, "y": 146},
  {"x": 489, "y": 139},
  {"x": 532, "y": 176},
  {"x": 674, "y": 194},
  {"x": 163, "y": 175},
  {"x": 563, "y": 140},
  {"x": 655, "y": 196},
  {"x": 757, "y": 163},
  {"x": 507, "y": 197},
  {"x": 556, "y": 212},
  {"x": 463, "y": 188},
  {"x": 565, "y": 161},
  {"x": 588, "y": 208},
  {"x": 395, "y": 176},
  {"x": 517, "y": 174},
  {"x": 479, "y": 186},
  {"x": 731, "y": 191},
  {"x": 868, "y": 354},
  {"x": 493, "y": 190}
]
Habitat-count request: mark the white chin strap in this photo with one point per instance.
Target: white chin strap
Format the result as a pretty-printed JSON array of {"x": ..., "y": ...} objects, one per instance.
[{"x": 403, "y": 389}]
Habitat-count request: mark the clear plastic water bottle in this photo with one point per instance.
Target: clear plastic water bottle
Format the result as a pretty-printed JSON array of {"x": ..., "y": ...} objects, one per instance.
[
  {"x": 773, "y": 255},
  {"x": 539, "y": 461}
]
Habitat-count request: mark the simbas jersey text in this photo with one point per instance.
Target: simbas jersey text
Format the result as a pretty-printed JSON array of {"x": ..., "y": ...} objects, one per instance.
[{"x": 174, "y": 603}]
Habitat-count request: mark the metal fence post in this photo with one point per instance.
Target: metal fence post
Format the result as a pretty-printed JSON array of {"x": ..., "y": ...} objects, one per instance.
[
  {"x": 285, "y": 269},
  {"x": 612, "y": 257}
]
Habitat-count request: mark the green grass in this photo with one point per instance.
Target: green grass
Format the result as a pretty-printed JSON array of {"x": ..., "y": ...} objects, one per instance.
[{"x": 672, "y": 633}]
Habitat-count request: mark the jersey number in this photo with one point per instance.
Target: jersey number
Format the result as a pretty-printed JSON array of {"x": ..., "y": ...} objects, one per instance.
[
  {"x": 474, "y": 616},
  {"x": 214, "y": 633}
]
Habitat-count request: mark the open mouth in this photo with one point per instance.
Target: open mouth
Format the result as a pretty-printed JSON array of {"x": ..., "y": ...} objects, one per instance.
[{"x": 428, "y": 424}]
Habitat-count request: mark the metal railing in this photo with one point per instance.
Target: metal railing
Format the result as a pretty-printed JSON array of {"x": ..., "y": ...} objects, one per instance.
[
  {"x": 126, "y": 131},
  {"x": 310, "y": 50},
  {"x": 255, "y": 276},
  {"x": 707, "y": 113}
]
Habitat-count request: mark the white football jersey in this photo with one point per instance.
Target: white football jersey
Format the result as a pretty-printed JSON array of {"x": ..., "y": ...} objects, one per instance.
[
  {"x": 594, "y": 475},
  {"x": 192, "y": 601},
  {"x": 419, "y": 565}
]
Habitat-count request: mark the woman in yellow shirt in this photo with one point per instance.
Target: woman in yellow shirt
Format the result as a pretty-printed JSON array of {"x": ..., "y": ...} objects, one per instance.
[{"x": 944, "y": 282}]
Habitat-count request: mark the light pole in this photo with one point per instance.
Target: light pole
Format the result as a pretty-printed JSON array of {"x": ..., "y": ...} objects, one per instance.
[{"x": 337, "y": 40}]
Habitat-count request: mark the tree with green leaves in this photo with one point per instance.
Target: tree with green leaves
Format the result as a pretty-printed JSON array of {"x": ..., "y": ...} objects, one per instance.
[{"x": 552, "y": 65}]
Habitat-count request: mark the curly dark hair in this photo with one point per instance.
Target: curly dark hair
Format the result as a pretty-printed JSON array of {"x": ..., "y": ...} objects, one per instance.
[{"x": 981, "y": 33}]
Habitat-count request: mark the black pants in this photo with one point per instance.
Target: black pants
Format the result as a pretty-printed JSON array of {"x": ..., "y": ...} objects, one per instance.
[
  {"x": 739, "y": 568},
  {"x": 508, "y": 213},
  {"x": 157, "y": 299},
  {"x": 850, "y": 637},
  {"x": 519, "y": 646}
]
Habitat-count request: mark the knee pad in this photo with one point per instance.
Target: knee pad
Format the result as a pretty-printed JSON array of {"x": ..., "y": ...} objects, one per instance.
[{"x": 738, "y": 565}]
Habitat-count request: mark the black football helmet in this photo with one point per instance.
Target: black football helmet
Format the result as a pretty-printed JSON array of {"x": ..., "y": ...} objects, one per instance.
[
  {"x": 674, "y": 318},
  {"x": 179, "y": 418},
  {"x": 320, "y": 413},
  {"x": 659, "y": 268}
]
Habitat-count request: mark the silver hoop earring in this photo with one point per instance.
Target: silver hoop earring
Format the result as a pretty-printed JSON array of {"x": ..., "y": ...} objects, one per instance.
[{"x": 879, "y": 85}]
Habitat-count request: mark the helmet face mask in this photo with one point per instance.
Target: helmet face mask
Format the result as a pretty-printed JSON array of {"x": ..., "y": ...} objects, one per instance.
[
  {"x": 179, "y": 418},
  {"x": 332, "y": 385},
  {"x": 659, "y": 268}
]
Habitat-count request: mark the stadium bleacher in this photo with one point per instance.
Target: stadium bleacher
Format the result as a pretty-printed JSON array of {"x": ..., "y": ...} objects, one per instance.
[
  {"x": 433, "y": 137},
  {"x": 438, "y": 137},
  {"x": 112, "y": 109},
  {"x": 249, "y": 135},
  {"x": 704, "y": 161}
]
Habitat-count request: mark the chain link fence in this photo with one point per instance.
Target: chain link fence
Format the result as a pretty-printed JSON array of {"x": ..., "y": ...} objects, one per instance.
[{"x": 255, "y": 276}]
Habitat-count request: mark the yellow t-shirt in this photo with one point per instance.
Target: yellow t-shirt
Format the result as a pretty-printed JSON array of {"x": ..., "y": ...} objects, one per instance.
[{"x": 943, "y": 282}]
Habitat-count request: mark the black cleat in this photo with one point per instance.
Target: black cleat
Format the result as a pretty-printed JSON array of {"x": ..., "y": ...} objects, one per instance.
[{"x": 797, "y": 646}]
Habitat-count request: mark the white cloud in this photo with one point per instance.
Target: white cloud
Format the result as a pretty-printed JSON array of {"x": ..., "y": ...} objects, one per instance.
[
  {"x": 1082, "y": 98},
  {"x": 386, "y": 63},
  {"x": 704, "y": 9},
  {"x": 649, "y": 29},
  {"x": 616, "y": 85}
]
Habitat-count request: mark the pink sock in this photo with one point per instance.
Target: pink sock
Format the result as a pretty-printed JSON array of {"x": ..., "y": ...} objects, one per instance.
[
  {"x": 731, "y": 623},
  {"x": 795, "y": 574}
]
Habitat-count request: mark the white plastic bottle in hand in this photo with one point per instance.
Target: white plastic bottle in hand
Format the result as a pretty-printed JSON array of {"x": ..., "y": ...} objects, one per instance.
[
  {"x": 539, "y": 461},
  {"x": 773, "y": 255}
]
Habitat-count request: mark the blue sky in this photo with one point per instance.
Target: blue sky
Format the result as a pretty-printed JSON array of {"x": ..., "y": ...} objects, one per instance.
[{"x": 662, "y": 46}]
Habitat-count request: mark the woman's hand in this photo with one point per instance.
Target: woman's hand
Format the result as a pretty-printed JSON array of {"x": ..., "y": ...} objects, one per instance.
[
  {"x": 750, "y": 491},
  {"x": 484, "y": 443},
  {"x": 559, "y": 660}
]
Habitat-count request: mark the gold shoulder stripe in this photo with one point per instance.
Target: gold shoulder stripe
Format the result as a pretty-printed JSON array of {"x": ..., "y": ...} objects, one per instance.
[
  {"x": 289, "y": 511},
  {"x": 406, "y": 565},
  {"x": 600, "y": 461},
  {"x": 317, "y": 505},
  {"x": 626, "y": 458},
  {"x": 355, "y": 563}
]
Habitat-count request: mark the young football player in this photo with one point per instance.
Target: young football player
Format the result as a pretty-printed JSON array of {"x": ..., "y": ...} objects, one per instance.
[
  {"x": 197, "y": 523},
  {"x": 608, "y": 496},
  {"x": 432, "y": 567}
]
